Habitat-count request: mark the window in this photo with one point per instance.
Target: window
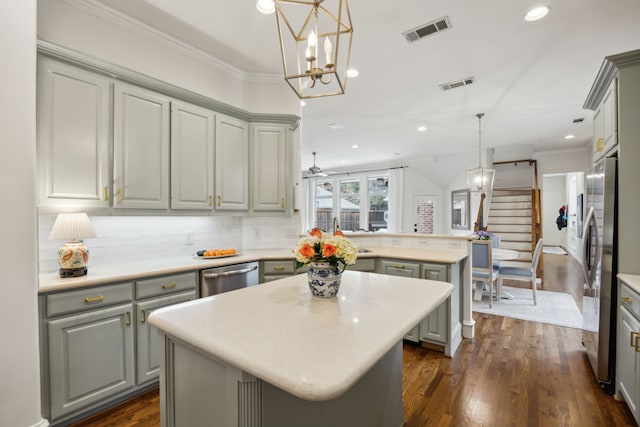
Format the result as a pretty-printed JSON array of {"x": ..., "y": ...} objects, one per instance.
[{"x": 360, "y": 202}]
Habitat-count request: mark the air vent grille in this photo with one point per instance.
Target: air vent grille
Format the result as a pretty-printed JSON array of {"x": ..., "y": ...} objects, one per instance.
[
  {"x": 458, "y": 83},
  {"x": 427, "y": 29}
]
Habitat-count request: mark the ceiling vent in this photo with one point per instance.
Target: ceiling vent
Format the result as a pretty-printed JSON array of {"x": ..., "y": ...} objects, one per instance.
[
  {"x": 458, "y": 83},
  {"x": 427, "y": 29},
  {"x": 578, "y": 120}
]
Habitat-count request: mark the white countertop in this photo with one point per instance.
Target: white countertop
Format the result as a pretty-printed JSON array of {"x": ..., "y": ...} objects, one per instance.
[
  {"x": 98, "y": 275},
  {"x": 633, "y": 280},
  {"x": 313, "y": 348}
]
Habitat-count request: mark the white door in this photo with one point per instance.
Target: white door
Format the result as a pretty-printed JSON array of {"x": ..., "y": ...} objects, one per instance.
[{"x": 425, "y": 218}]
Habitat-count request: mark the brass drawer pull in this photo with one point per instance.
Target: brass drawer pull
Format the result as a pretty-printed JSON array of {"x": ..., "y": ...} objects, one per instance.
[
  {"x": 632, "y": 337},
  {"x": 169, "y": 285},
  {"x": 144, "y": 315},
  {"x": 628, "y": 300},
  {"x": 398, "y": 266},
  {"x": 278, "y": 268},
  {"x": 636, "y": 343},
  {"x": 93, "y": 299}
]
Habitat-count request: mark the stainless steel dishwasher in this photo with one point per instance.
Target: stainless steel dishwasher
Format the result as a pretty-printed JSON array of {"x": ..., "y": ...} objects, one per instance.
[{"x": 228, "y": 278}]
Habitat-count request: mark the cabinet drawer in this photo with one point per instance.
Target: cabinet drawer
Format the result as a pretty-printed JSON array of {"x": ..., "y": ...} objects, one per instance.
[
  {"x": 165, "y": 285},
  {"x": 279, "y": 267},
  {"x": 86, "y": 299},
  {"x": 364, "y": 264},
  {"x": 630, "y": 299}
]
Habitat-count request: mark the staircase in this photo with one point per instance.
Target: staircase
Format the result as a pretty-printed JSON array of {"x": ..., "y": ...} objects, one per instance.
[{"x": 510, "y": 218}]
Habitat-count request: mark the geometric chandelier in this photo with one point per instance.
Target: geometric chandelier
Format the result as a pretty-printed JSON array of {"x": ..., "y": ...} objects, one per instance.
[
  {"x": 315, "y": 43},
  {"x": 480, "y": 180}
]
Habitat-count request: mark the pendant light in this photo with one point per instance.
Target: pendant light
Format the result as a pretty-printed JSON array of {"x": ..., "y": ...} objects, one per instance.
[
  {"x": 480, "y": 180},
  {"x": 315, "y": 43}
]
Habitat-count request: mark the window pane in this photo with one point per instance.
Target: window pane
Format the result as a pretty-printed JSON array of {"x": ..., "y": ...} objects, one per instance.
[
  {"x": 378, "y": 203},
  {"x": 324, "y": 205},
  {"x": 350, "y": 204}
]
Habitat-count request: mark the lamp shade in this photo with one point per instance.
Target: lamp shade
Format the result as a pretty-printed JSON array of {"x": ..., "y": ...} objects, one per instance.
[
  {"x": 480, "y": 180},
  {"x": 72, "y": 226}
]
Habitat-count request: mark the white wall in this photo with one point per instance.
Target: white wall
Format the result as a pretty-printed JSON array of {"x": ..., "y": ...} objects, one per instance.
[
  {"x": 19, "y": 358},
  {"x": 554, "y": 195}
]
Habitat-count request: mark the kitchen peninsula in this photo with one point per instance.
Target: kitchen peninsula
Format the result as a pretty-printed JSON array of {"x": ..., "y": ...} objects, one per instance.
[{"x": 273, "y": 355}]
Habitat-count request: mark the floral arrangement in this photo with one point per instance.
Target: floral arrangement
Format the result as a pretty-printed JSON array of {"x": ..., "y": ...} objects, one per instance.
[
  {"x": 318, "y": 246},
  {"x": 483, "y": 235}
]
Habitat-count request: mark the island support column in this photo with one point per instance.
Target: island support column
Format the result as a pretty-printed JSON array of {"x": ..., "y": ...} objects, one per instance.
[{"x": 468, "y": 324}]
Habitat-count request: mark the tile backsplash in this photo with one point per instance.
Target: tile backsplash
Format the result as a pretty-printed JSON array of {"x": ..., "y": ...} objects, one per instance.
[{"x": 122, "y": 239}]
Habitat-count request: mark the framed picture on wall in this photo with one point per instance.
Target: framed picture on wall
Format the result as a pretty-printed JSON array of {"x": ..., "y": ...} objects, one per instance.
[{"x": 579, "y": 214}]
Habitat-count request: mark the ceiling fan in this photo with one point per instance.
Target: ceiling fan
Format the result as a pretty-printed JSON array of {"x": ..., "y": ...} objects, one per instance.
[{"x": 314, "y": 170}]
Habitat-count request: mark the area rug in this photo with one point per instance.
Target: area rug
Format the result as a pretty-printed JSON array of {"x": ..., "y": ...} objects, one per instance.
[
  {"x": 555, "y": 308},
  {"x": 555, "y": 250}
]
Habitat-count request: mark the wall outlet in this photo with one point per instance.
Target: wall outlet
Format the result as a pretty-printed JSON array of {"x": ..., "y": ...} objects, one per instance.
[{"x": 188, "y": 238}]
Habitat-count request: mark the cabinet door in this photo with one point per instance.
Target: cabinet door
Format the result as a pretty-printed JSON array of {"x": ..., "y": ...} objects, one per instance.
[
  {"x": 605, "y": 122},
  {"x": 434, "y": 326},
  {"x": 192, "y": 142},
  {"x": 232, "y": 164},
  {"x": 628, "y": 365},
  {"x": 73, "y": 136},
  {"x": 147, "y": 345},
  {"x": 141, "y": 148},
  {"x": 270, "y": 171},
  {"x": 400, "y": 268},
  {"x": 90, "y": 357}
]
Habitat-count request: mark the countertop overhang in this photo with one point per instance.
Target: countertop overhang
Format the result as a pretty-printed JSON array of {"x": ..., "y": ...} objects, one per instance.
[{"x": 312, "y": 348}]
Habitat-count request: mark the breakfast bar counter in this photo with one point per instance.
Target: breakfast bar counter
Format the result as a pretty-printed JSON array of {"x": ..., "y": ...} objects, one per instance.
[{"x": 273, "y": 355}]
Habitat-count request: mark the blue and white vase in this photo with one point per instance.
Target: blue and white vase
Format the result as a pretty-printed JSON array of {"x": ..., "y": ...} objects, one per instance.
[{"x": 324, "y": 280}]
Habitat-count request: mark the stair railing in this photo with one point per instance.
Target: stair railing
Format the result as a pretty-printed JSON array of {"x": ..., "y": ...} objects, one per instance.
[{"x": 479, "y": 224}]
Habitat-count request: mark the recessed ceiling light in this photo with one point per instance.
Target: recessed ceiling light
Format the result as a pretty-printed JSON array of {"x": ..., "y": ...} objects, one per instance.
[
  {"x": 303, "y": 103},
  {"x": 352, "y": 72},
  {"x": 336, "y": 126},
  {"x": 569, "y": 136},
  {"x": 422, "y": 128},
  {"x": 266, "y": 6},
  {"x": 536, "y": 13},
  {"x": 355, "y": 146}
]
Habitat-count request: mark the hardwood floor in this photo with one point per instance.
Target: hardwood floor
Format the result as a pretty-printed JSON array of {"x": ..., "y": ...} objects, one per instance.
[{"x": 513, "y": 373}]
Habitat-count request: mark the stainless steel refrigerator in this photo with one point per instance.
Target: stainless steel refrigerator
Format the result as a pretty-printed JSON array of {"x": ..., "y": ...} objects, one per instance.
[{"x": 599, "y": 262}]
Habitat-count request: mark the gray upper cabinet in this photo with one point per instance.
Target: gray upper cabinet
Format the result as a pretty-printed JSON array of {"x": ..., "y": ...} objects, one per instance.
[
  {"x": 141, "y": 148},
  {"x": 232, "y": 164},
  {"x": 270, "y": 167},
  {"x": 605, "y": 122},
  {"x": 192, "y": 145},
  {"x": 73, "y": 136}
]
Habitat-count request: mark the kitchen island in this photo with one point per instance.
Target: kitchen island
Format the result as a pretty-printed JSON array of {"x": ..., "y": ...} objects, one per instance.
[{"x": 273, "y": 355}]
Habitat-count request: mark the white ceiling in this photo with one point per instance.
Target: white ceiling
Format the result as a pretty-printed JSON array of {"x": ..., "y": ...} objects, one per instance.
[{"x": 531, "y": 78}]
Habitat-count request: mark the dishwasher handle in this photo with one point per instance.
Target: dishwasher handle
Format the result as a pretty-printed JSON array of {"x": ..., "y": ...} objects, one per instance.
[{"x": 230, "y": 273}]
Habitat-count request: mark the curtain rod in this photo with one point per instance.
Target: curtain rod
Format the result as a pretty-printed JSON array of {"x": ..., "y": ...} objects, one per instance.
[{"x": 354, "y": 172}]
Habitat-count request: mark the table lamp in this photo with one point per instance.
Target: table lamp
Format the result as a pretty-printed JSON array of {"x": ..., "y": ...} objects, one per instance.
[{"x": 73, "y": 255}]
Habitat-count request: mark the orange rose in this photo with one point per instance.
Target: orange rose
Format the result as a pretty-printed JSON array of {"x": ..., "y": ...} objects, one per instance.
[
  {"x": 329, "y": 250},
  {"x": 338, "y": 233},
  {"x": 315, "y": 232},
  {"x": 307, "y": 251}
]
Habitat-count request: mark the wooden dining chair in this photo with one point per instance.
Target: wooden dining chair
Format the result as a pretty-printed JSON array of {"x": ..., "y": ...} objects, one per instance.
[
  {"x": 527, "y": 274},
  {"x": 482, "y": 269}
]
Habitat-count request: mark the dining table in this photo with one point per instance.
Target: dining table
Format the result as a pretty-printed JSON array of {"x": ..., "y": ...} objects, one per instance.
[{"x": 498, "y": 254}]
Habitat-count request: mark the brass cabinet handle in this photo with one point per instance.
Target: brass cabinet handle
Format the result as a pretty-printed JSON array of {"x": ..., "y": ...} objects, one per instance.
[
  {"x": 119, "y": 193},
  {"x": 599, "y": 146},
  {"x": 128, "y": 318},
  {"x": 94, "y": 299},
  {"x": 169, "y": 285},
  {"x": 219, "y": 200},
  {"x": 282, "y": 202},
  {"x": 105, "y": 194},
  {"x": 144, "y": 315},
  {"x": 278, "y": 267},
  {"x": 628, "y": 300},
  {"x": 210, "y": 200},
  {"x": 636, "y": 342}
]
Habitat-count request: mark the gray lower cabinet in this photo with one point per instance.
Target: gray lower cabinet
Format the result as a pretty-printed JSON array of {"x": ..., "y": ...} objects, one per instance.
[
  {"x": 96, "y": 344},
  {"x": 628, "y": 349},
  {"x": 400, "y": 268},
  {"x": 275, "y": 269},
  {"x": 435, "y": 326},
  {"x": 91, "y": 357},
  {"x": 147, "y": 345}
]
